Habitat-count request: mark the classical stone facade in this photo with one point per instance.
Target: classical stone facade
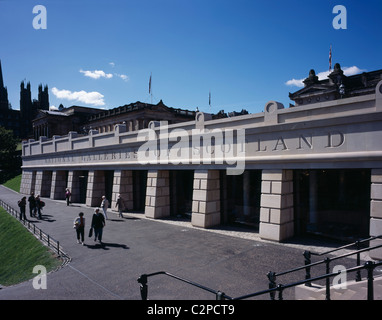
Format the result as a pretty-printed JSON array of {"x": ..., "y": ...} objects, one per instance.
[{"x": 312, "y": 168}]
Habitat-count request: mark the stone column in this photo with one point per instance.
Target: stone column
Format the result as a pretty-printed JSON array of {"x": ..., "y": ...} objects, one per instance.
[
  {"x": 276, "y": 207},
  {"x": 43, "y": 183},
  {"x": 28, "y": 181},
  {"x": 96, "y": 188},
  {"x": 376, "y": 212},
  {"x": 74, "y": 185},
  {"x": 206, "y": 199},
  {"x": 158, "y": 194},
  {"x": 57, "y": 191},
  {"x": 123, "y": 185}
]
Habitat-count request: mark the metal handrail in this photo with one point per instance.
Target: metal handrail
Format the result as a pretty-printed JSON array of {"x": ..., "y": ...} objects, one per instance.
[
  {"x": 273, "y": 287},
  {"x": 308, "y": 264},
  {"x": 369, "y": 266},
  {"x": 355, "y": 243},
  {"x": 41, "y": 235},
  {"x": 144, "y": 288}
]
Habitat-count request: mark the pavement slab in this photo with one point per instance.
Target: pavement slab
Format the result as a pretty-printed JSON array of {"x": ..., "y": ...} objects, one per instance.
[{"x": 230, "y": 260}]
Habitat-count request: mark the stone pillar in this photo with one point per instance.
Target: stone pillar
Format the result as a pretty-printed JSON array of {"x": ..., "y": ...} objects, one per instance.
[
  {"x": 276, "y": 207},
  {"x": 376, "y": 212},
  {"x": 59, "y": 185},
  {"x": 38, "y": 182},
  {"x": 158, "y": 194},
  {"x": 96, "y": 188},
  {"x": 74, "y": 185},
  {"x": 28, "y": 181},
  {"x": 206, "y": 199},
  {"x": 123, "y": 185},
  {"x": 43, "y": 183}
]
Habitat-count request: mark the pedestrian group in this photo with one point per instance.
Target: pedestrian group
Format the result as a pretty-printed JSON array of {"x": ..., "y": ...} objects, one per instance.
[
  {"x": 98, "y": 221},
  {"x": 35, "y": 206}
]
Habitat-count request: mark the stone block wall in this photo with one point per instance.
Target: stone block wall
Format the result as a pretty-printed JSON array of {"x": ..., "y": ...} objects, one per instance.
[
  {"x": 96, "y": 188},
  {"x": 157, "y": 194},
  {"x": 28, "y": 181},
  {"x": 43, "y": 183},
  {"x": 376, "y": 211},
  {"x": 206, "y": 199},
  {"x": 74, "y": 185},
  {"x": 59, "y": 185},
  {"x": 123, "y": 185},
  {"x": 276, "y": 207}
]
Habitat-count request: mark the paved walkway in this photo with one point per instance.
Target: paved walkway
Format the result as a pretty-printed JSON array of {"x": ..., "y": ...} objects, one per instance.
[{"x": 233, "y": 261}]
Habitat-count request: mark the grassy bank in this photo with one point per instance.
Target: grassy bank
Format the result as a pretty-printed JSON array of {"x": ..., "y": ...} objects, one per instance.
[
  {"x": 20, "y": 252},
  {"x": 14, "y": 183}
]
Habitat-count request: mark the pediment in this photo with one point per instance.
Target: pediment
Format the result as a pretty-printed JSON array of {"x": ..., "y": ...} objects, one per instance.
[{"x": 316, "y": 89}]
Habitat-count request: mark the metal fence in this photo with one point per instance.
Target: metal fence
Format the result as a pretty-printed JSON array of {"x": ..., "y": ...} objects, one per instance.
[
  {"x": 44, "y": 238},
  {"x": 278, "y": 289}
]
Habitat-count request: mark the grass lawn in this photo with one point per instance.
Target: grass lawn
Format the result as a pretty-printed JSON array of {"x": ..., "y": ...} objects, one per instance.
[
  {"x": 14, "y": 183},
  {"x": 20, "y": 252}
]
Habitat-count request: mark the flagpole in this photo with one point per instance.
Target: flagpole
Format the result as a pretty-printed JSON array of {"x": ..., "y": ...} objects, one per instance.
[
  {"x": 209, "y": 99},
  {"x": 150, "y": 91},
  {"x": 330, "y": 58}
]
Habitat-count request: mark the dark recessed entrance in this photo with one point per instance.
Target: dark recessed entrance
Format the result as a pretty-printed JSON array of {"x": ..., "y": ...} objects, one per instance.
[
  {"x": 240, "y": 198},
  {"x": 109, "y": 176},
  {"x": 181, "y": 190},
  {"x": 139, "y": 190},
  {"x": 83, "y": 185},
  {"x": 333, "y": 203}
]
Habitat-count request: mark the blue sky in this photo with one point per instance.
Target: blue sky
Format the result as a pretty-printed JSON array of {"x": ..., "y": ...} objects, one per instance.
[{"x": 100, "y": 53}]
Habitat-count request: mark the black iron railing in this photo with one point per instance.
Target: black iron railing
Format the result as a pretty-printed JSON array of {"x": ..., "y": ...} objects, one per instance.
[
  {"x": 275, "y": 288},
  {"x": 45, "y": 238},
  {"x": 272, "y": 276},
  {"x": 144, "y": 287}
]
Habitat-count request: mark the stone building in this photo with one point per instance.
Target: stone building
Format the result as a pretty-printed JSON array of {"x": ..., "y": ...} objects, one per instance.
[
  {"x": 49, "y": 123},
  {"x": 315, "y": 167},
  {"x": 82, "y": 119}
]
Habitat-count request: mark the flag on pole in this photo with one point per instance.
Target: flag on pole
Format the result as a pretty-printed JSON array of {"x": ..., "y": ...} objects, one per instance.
[
  {"x": 209, "y": 99},
  {"x": 150, "y": 84},
  {"x": 330, "y": 58}
]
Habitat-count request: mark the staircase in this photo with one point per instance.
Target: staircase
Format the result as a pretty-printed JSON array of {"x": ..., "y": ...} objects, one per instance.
[{"x": 354, "y": 291}]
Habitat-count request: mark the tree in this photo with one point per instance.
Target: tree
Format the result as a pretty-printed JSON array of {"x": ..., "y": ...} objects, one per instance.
[{"x": 9, "y": 159}]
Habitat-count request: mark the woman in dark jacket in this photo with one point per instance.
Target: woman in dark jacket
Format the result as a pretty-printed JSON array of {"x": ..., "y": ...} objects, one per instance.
[{"x": 98, "y": 223}]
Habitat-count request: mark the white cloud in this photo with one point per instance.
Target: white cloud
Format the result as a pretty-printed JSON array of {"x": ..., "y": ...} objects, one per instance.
[
  {"x": 348, "y": 71},
  {"x": 96, "y": 74},
  {"x": 92, "y": 98},
  {"x": 112, "y": 64},
  {"x": 295, "y": 83},
  {"x": 122, "y": 76}
]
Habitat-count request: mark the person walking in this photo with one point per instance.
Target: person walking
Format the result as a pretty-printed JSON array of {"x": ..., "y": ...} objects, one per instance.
[
  {"x": 39, "y": 205},
  {"x": 98, "y": 223},
  {"x": 120, "y": 205},
  {"x": 104, "y": 206},
  {"x": 22, "y": 204},
  {"x": 79, "y": 225},
  {"x": 32, "y": 205},
  {"x": 67, "y": 196}
]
